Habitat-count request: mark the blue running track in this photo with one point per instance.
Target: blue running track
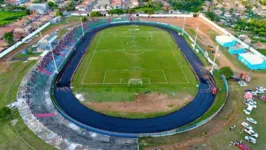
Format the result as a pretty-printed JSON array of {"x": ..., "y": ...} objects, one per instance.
[{"x": 74, "y": 109}]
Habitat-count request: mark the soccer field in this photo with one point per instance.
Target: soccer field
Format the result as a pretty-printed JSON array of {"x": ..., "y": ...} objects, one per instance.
[{"x": 133, "y": 55}]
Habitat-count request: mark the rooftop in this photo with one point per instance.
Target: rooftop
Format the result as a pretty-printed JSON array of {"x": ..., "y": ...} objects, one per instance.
[
  {"x": 252, "y": 58},
  {"x": 224, "y": 38}
]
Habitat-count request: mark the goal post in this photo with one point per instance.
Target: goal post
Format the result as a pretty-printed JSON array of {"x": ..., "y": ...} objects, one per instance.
[{"x": 135, "y": 82}]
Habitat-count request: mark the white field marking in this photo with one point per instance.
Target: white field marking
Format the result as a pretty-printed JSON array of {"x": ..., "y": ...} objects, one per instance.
[
  {"x": 179, "y": 64},
  {"x": 165, "y": 77},
  {"x": 104, "y": 76},
  {"x": 91, "y": 58}
]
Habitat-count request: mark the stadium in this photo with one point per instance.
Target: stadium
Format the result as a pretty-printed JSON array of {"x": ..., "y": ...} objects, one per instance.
[{"x": 137, "y": 58}]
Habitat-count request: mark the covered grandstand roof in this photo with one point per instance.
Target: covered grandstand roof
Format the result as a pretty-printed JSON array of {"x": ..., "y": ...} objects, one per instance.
[{"x": 252, "y": 58}]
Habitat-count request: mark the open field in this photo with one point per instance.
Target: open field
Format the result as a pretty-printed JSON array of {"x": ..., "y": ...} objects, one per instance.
[
  {"x": 216, "y": 133},
  {"x": 14, "y": 134},
  {"x": 125, "y": 62},
  {"x": 7, "y": 17}
]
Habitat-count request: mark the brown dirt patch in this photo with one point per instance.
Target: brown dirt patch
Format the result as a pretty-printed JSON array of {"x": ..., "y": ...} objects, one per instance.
[
  {"x": 4, "y": 66},
  {"x": 145, "y": 103}
]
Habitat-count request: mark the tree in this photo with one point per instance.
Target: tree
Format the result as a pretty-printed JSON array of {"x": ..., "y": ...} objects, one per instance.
[
  {"x": 59, "y": 13},
  {"x": 5, "y": 113},
  {"x": 227, "y": 72},
  {"x": 27, "y": 11},
  {"x": 8, "y": 37},
  {"x": 50, "y": 4},
  {"x": 130, "y": 11},
  {"x": 95, "y": 14},
  {"x": 84, "y": 19}
]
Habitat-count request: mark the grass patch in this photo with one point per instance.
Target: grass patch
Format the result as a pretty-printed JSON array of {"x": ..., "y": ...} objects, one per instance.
[
  {"x": 119, "y": 54},
  {"x": 6, "y": 17},
  {"x": 16, "y": 136}
]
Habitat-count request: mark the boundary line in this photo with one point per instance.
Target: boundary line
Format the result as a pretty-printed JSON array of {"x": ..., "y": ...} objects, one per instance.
[
  {"x": 176, "y": 58},
  {"x": 91, "y": 58}
]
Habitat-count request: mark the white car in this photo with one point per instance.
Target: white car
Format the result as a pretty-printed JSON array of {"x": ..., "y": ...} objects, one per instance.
[
  {"x": 254, "y": 93},
  {"x": 246, "y": 125},
  {"x": 251, "y": 120},
  {"x": 242, "y": 83},
  {"x": 251, "y": 101},
  {"x": 248, "y": 110},
  {"x": 252, "y": 105},
  {"x": 251, "y": 133},
  {"x": 251, "y": 139},
  {"x": 11, "y": 106},
  {"x": 260, "y": 88}
]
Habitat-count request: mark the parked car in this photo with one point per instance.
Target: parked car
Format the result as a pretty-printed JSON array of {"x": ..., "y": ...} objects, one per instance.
[
  {"x": 246, "y": 125},
  {"x": 251, "y": 120},
  {"x": 242, "y": 83},
  {"x": 251, "y": 133},
  {"x": 260, "y": 88},
  {"x": 250, "y": 101},
  {"x": 248, "y": 90},
  {"x": 242, "y": 146},
  {"x": 252, "y": 105},
  {"x": 35, "y": 46},
  {"x": 248, "y": 110},
  {"x": 11, "y": 106},
  {"x": 251, "y": 139},
  {"x": 254, "y": 93},
  {"x": 263, "y": 98}
]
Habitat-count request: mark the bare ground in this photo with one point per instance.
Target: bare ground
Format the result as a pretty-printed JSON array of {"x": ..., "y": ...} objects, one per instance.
[{"x": 145, "y": 103}]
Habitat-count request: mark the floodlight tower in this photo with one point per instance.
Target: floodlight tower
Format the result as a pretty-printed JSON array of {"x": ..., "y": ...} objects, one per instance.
[
  {"x": 196, "y": 36},
  {"x": 216, "y": 52},
  {"x": 56, "y": 69},
  {"x": 82, "y": 27},
  {"x": 184, "y": 25}
]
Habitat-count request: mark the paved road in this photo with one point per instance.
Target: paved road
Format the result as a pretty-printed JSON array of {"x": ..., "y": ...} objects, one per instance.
[{"x": 71, "y": 106}]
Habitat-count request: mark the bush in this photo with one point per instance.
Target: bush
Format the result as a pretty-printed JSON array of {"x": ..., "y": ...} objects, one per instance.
[
  {"x": 227, "y": 72},
  {"x": 95, "y": 14}
]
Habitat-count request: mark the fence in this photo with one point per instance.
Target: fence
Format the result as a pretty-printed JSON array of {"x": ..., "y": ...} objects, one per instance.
[
  {"x": 10, "y": 49},
  {"x": 104, "y": 22}
]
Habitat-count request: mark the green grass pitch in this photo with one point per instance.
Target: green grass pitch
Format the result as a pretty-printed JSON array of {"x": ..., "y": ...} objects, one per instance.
[{"x": 118, "y": 56}]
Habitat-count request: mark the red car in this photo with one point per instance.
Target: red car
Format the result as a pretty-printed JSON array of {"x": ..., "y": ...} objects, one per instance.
[
  {"x": 263, "y": 98},
  {"x": 242, "y": 146}
]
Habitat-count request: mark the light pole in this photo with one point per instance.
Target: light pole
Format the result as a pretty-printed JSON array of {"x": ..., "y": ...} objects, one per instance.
[
  {"x": 56, "y": 69},
  {"x": 39, "y": 28},
  {"x": 184, "y": 25},
  {"x": 196, "y": 36},
  {"x": 82, "y": 26},
  {"x": 216, "y": 52}
]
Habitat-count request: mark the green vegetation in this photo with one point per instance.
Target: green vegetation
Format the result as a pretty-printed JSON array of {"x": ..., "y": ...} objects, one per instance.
[
  {"x": 14, "y": 134},
  {"x": 263, "y": 51},
  {"x": 84, "y": 19},
  {"x": 95, "y": 14},
  {"x": 255, "y": 26},
  {"x": 188, "y": 5},
  {"x": 227, "y": 72},
  {"x": 262, "y": 2},
  {"x": 7, "y": 17},
  {"x": 116, "y": 11},
  {"x": 8, "y": 37},
  {"x": 119, "y": 54},
  {"x": 212, "y": 16},
  {"x": 5, "y": 113}
]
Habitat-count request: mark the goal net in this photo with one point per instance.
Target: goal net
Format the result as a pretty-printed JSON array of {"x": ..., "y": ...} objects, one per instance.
[{"x": 135, "y": 82}]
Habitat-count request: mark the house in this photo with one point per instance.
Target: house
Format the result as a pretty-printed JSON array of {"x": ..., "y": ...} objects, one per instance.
[
  {"x": 41, "y": 8},
  {"x": 135, "y": 3}
]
